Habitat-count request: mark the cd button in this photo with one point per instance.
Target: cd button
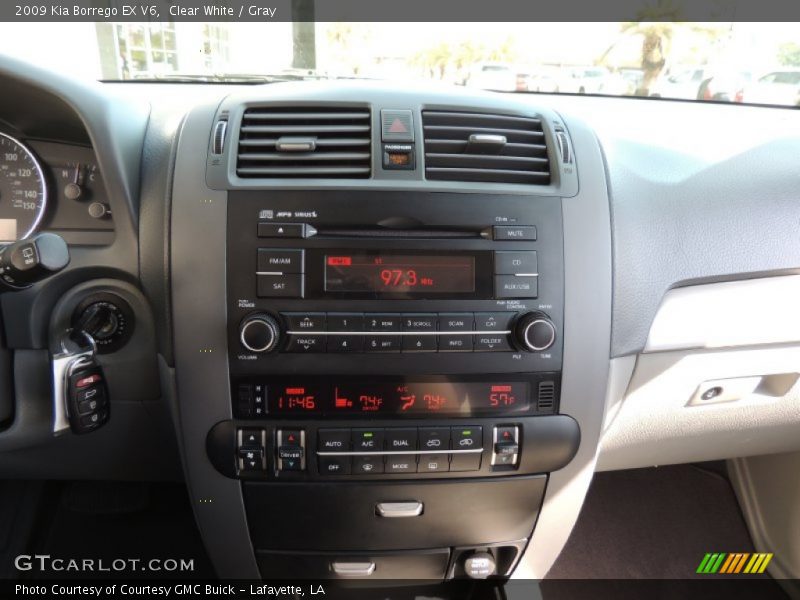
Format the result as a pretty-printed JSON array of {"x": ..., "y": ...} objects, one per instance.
[{"x": 513, "y": 263}]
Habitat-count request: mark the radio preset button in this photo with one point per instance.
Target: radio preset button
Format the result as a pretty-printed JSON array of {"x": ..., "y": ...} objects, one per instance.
[
  {"x": 333, "y": 440},
  {"x": 455, "y": 343},
  {"x": 511, "y": 233},
  {"x": 305, "y": 321},
  {"x": 383, "y": 322},
  {"x": 345, "y": 343},
  {"x": 456, "y": 321},
  {"x": 345, "y": 322},
  {"x": 280, "y": 286},
  {"x": 513, "y": 286},
  {"x": 399, "y": 439},
  {"x": 306, "y": 343},
  {"x": 382, "y": 343},
  {"x": 515, "y": 263},
  {"x": 279, "y": 260},
  {"x": 419, "y": 322},
  {"x": 419, "y": 343}
]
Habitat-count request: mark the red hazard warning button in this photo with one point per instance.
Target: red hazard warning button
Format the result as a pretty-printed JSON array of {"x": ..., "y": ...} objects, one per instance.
[{"x": 397, "y": 125}]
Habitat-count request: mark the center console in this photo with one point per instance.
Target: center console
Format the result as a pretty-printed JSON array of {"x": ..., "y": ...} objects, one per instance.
[{"x": 388, "y": 373}]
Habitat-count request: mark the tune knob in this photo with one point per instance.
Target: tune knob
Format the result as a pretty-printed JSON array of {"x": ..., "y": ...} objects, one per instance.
[
  {"x": 535, "y": 332},
  {"x": 259, "y": 333}
]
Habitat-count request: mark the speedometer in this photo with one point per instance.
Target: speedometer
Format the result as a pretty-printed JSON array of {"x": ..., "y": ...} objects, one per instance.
[{"x": 23, "y": 192}]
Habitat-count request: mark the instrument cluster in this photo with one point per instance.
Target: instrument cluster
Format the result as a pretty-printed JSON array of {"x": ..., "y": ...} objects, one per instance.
[{"x": 54, "y": 187}]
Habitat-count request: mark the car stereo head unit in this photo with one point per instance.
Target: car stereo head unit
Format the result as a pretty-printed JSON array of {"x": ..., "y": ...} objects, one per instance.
[{"x": 391, "y": 283}]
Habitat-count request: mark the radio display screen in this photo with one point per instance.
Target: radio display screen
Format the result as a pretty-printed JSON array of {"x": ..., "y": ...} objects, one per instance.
[
  {"x": 407, "y": 398},
  {"x": 399, "y": 273}
]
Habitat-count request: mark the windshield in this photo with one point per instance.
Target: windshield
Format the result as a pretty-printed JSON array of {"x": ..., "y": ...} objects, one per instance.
[{"x": 729, "y": 62}]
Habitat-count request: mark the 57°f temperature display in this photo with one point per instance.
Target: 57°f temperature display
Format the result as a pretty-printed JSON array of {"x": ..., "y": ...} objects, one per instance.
[{"x": 399, "y": 273}]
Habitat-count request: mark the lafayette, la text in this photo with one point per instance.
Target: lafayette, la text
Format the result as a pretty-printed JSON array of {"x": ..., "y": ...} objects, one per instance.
[{"x": 143, "y": 590}]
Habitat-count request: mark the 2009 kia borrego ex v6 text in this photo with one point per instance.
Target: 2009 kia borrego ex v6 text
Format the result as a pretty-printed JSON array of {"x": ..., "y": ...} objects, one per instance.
[{"x": 300, "y": 308}]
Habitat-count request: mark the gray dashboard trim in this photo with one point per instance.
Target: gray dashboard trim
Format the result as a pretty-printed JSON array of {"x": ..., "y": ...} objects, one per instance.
[
  {"x": 587, "y": 331},
  {"x": 198, "y": 289}
]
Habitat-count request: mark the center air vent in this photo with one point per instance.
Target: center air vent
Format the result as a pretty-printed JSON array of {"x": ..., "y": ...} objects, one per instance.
[
  {"x": 305, "y": 142},
  {"x": 462, "y": 146}
]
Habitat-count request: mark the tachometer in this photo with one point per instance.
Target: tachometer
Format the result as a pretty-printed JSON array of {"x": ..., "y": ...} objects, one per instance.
[{"x": 23, "y": 192}]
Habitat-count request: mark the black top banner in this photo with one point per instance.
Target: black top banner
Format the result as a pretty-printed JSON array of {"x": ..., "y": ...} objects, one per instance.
[{"x": 399, "y": 10}]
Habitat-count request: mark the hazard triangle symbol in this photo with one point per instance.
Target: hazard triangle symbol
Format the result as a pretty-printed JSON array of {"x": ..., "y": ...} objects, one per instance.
[{"x": 397, "y": 126}]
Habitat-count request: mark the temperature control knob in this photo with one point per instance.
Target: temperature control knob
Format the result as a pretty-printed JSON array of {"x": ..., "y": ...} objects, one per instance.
[
  {"x": 535, "y": 332},
  {"x": 259, "y": 333}
]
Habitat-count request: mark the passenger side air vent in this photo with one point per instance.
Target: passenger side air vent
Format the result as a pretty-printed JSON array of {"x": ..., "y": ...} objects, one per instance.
[
  {"x": 462, "y": 146},
  {"x": 305, "y": 142},
  {"x": 547, "y": 396}
]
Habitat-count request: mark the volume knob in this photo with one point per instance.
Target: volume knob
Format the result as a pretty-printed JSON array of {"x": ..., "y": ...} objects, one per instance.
[
  {"x": 259, "y": 333},
  {"x": 535, "y": 332}
]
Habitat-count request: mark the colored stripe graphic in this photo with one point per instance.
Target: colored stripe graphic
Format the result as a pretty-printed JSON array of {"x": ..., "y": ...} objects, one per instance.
[{"x": 733, "y": 563}]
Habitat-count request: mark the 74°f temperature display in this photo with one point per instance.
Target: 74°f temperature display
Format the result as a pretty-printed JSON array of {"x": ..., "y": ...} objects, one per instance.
[{"x": 399, "y": 274}]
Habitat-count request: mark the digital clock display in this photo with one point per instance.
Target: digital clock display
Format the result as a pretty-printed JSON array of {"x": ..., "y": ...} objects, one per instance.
[
  {"x": 400, "y": 273},
  {"x": 404, "y": 398}
]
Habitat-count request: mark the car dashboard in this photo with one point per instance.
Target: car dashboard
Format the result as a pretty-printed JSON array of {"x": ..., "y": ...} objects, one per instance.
[{"x": 391, "y": 332}]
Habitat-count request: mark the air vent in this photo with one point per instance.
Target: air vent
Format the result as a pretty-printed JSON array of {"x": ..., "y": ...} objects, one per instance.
[
  {"x": 305, "y": 142},
  {"x": 461, "y": 146},
  {"x": 546, "y": 398}
]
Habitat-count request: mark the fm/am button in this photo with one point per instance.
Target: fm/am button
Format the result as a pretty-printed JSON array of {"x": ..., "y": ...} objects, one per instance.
[{"x": 280, "y": 260}]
